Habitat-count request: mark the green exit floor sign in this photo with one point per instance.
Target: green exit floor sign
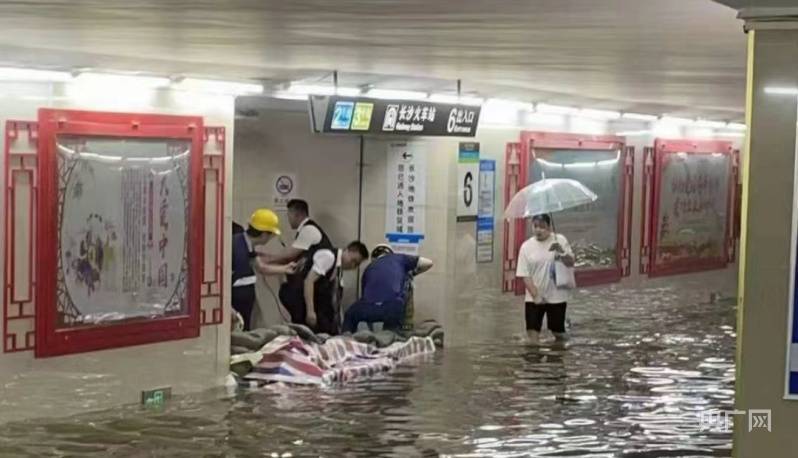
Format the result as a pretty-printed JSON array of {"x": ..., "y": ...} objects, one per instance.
[{"x": 156, "y": 398}]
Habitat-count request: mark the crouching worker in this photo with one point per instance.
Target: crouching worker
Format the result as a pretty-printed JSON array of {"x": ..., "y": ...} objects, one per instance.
[
  {"x": 263, "y": 226},
  {"x": 385, "y": 285},
  {"x": 315, "y": 301}
]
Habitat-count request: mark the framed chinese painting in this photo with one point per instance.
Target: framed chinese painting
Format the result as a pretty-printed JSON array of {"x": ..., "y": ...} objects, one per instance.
[
  {"x": 689, "y": 208},
  {"x": 120, "y": 230}
]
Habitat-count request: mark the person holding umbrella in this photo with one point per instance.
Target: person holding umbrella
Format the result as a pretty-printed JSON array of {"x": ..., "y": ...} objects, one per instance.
[
  {"x": 546, "y": 261},
  {"x": 536, "y": 266}
]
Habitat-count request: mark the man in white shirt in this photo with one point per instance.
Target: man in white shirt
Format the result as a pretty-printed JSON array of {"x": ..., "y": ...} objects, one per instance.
[
  {"x": 310, "y": 238},
  {"x": 308, "y": 234},
  {"x": 322, "y": 285},
  {"x": 536, "y": 266}
]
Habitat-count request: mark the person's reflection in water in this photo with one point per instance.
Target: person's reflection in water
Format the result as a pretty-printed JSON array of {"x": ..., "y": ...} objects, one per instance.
[{"x": 546, "y": 366}]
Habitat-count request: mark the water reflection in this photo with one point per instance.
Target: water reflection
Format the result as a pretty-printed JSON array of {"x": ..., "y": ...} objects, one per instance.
[{"x": 630, "y": 384}]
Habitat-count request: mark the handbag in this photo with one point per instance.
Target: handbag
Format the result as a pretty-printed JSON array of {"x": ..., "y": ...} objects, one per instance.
[{"x": 564, "y": 277}]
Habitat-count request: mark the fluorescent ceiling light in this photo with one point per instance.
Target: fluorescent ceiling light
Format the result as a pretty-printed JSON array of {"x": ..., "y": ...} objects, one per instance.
[
  {"x": 318, "y": 89},
  {"x": 505, "y": 104},
  {"x": 640, "y": 116},
  {"x": 556, "y": 109},
  {"x": 27, "y": 74},
  {"x": 217, "y": 86},
  {"x": 781, "y": 90},
  {"x": 711, "y": 124},
  {"x": 634, "y": 133},
  {"x": 396, "y": 94},
  {"x": 599, "y": 114},
  {"x": 736, "y": 126},
  {"x": 454, "y": 99},
  {"x": 117, "y": 81}
]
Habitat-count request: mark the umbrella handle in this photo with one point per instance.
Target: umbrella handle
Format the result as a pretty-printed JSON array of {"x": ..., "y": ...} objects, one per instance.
[{"x": 553, "y": 227}]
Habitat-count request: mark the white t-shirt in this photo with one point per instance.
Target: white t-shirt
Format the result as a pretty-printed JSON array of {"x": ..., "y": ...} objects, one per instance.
[
  {"x": 324, "y": 260},
  {"x": 306, "y": 236},
  {"x": 536, "y": 261}
]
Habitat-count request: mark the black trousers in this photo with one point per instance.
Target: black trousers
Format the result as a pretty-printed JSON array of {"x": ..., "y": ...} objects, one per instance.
[
  {"x": 294, "y": 301},
  {"x": 555, "y": 314},
  {"x": 243, "y": 298}
]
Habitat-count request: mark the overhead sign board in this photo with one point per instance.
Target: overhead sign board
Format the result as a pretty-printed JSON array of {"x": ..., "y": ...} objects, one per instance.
[{"x": 359, "y": 115}]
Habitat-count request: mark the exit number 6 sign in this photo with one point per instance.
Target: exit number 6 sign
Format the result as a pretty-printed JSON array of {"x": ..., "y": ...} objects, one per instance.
[{"x": 468, "y": 180}]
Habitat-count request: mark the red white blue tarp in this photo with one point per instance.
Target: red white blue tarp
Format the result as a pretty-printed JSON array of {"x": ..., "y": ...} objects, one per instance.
[{"x": 340, "y": 359}]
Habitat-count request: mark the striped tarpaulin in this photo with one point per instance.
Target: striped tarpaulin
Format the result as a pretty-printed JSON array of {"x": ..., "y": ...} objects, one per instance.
[{"x": 339, "y": 360}]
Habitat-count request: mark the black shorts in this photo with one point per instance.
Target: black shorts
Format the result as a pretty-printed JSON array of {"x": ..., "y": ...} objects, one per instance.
[{"x": 554, "y": 312}]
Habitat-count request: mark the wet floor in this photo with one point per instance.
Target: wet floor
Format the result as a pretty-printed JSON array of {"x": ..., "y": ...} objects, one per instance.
[{"x": 640, "y": 367}]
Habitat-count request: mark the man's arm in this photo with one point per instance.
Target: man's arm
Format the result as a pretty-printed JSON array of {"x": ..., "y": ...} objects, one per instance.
[
  {"x": 264, "y": 268},
  {"x": 306, "y": 238},
  {"x": 310, "y": 306},
  {"x": 423, "y": 265},
  {"x": 286, "y": 255}
]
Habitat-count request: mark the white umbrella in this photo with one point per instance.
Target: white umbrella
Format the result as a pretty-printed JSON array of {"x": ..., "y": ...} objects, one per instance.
[{"x": 548, "y": 196}]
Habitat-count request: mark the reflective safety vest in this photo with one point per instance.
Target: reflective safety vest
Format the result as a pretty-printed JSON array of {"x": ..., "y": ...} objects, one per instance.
[{"x": 244, "y": 279}]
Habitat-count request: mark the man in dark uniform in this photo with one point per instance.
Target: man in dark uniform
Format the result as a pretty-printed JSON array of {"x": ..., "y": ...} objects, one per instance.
[
  {"x": 385, "y": 284},
  {"x": 322, "y": 286},
  {"x": 310, "y": 238},
  {"x": 263, "y": 226}
]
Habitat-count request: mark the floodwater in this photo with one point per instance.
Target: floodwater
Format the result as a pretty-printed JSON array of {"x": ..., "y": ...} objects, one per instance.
[{"x": 641, "y": 365}]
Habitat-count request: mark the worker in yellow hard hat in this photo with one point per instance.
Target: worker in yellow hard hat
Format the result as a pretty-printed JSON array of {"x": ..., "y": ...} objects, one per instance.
[{"x": 263, "y": 226}]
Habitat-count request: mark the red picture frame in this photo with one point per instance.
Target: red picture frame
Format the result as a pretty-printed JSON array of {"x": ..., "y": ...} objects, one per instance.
[
  {"x": 530, "y": 142},
  {"x": 51, "y": 341},
  {"x": 515, "y": 170},
  {"x": 651, "y": 206}
]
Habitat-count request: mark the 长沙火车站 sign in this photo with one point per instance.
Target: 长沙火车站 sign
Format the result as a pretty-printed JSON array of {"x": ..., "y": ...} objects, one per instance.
[{"x": 357, "y": 115}]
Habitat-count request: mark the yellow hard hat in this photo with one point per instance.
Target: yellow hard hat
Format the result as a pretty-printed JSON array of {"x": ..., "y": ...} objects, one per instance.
[{"x": 265, "y": 220}]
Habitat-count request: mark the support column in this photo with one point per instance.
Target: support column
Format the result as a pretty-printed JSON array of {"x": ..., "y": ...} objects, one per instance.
[{"x": 768, "y": 180}]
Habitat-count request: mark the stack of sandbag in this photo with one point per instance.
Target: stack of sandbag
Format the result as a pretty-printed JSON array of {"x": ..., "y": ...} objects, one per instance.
[
  {"x": 247, "y": 347},
  {"x": 384, "y": 338},
  {"x": 249, "y": 341}
]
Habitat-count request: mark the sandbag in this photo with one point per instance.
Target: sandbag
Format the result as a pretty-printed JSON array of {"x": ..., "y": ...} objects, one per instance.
[
  {"x": 246, "y": 339},
  {"x": 437, "y": 336},
  {"x": 323, "y": 337},
  {"x": 266, "y": 335},
  {"x": 384, "y": 338},
  {"x": 426, "y": 328},
  {"x": 241, "y": 368},
  {"x": 283, "y": 330},
  {"x": 305, "y": 333},
  {"x": 366, "y": 337},
  {"x": 236, "y": 350}
]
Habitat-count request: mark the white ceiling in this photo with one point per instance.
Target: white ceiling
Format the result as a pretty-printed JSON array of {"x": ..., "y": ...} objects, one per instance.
[{"x": 683, "y": 57}]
